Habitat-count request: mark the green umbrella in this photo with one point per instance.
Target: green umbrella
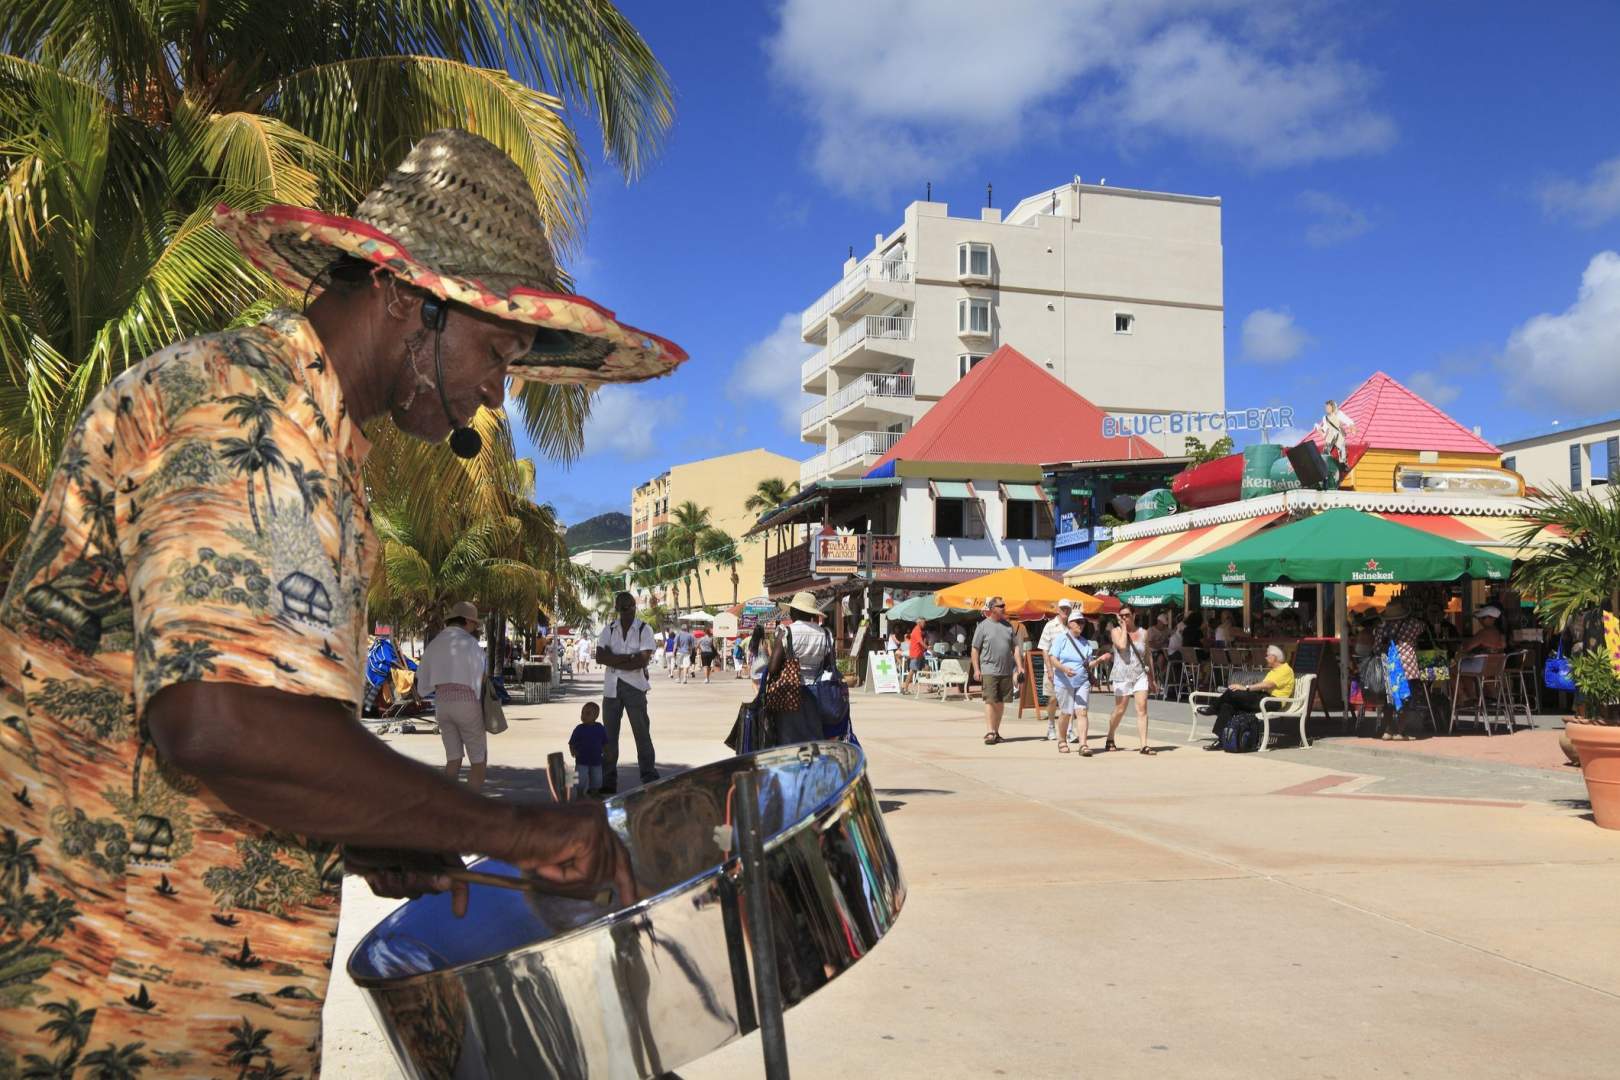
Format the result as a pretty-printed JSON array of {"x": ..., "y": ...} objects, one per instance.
[
  {"x": 919, "y": 609},
  {"x": 1169, "y": 591},
  {"x": 1344, "y": 546}
]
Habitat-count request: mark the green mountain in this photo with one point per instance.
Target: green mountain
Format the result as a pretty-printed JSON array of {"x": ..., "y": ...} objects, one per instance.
[{"x": 604, "y": 530}]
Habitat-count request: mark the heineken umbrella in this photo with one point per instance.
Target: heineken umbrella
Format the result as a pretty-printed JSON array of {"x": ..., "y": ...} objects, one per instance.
[
  {"x": 1344, "y": 547},
  {"x": 1169, "y": 591}
]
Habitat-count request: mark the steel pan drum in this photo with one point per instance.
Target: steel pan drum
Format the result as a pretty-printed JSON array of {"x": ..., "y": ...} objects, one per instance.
[{"x": 557, "y": 988}]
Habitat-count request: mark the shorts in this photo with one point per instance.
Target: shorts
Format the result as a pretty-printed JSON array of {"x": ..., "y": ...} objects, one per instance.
[
  {"x": 684, "y": 661},
  {"x": 916, "y": 663},
  {"x": 461, "y": 727},
  {"x": 998, "y": 689},
  {"x": 1072, "y": 699},
  {"x": 1129, "y": 689}
]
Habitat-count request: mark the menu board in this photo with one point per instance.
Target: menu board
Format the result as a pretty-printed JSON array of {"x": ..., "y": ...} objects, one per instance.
[
  {"x": 1320, "y": 657},
  {"x": 1034, "y": 694}
]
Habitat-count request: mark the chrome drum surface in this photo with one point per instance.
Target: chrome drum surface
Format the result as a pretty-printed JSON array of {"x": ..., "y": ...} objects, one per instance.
[{"x": 552, "y": 988}]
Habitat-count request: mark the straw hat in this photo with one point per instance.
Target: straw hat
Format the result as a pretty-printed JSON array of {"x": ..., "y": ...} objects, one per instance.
[
  {"x": 464, "y": 610},
  {"x": 804, "y": 603},
  {"x": 1395, "y": 609},
  {"x": 458, "y": 219}
]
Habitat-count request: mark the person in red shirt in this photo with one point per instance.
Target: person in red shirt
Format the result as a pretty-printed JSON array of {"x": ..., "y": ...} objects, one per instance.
[{"x": 914, "y": 652}]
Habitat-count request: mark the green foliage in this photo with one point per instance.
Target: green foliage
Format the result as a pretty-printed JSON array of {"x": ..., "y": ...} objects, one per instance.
[
  {"x": 1594, "y": 674},
  {"x": 1581, "y": 572},
  {"x": 1194, "y": 447}
]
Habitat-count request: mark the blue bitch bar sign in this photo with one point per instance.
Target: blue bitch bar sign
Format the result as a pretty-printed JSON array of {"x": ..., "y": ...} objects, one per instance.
[{"x": 1123, "y": 425}]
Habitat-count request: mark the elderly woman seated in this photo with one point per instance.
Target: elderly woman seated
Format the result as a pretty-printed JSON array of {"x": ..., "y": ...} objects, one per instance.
[{"x": 1239, "y": 697}]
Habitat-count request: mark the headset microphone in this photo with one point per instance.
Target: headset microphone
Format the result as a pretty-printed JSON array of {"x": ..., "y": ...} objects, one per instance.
[{"x": 464, "y": 441}]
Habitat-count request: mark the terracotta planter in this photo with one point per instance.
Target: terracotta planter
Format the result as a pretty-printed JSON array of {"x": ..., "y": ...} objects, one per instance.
[{"x": 1598, "y": 746}]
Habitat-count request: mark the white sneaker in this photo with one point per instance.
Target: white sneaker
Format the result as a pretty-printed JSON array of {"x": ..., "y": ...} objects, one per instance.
[
  {"x": 1074, "y": 736},
  {"x": 1051, "y": 731}
]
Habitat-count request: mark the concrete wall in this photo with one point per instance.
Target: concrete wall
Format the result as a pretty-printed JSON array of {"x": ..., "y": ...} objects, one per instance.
[
  {"x": 920, "y": 547},
  {"x": 723, "y": 484},
  {"x": 1544, "y": 461}
]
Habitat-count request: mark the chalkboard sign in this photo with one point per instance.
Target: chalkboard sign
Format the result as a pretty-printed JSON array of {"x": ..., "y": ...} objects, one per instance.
[
  {"x": 1034, "y": 694},
  {"x": 1308, "y": 655},
  {"x": 1320, "y": 657}
]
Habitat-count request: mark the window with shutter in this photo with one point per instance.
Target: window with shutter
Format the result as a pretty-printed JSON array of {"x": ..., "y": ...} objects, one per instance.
[{"x": 1574, "y": 466}]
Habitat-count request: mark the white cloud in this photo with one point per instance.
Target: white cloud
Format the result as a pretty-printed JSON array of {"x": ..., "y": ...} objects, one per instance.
[
  {"x": 1572, "y": 359},
  {"x": 769, "y": 371},
  {"x": 1288, "y": 436},
  {"x": 1335, "y": 219},
  {"x": 1271, "y": 336},
  {"x": 632, "y": 422},
  {"x": 1589, "y": 202},
  {"x": 903, "y": 91},
  {"x": 1433, "y": 387}
]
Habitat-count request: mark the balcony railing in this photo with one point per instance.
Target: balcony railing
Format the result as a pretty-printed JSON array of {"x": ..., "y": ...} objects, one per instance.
[
  {"x": 896, "y": 270},
  {"x": 871, "y": 327},
  {"x": 870, "y": 386},
  {"x": 814, "y": 415},
  {"x": 817, "y": 362},
  {"x": 866, "y": 444},
  {"x": 812, "y": 470},
  {"x": 837, "y": 554}
]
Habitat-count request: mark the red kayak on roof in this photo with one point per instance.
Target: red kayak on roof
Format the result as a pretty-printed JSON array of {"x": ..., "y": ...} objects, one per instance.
[{"x": 1209, "y": 484}]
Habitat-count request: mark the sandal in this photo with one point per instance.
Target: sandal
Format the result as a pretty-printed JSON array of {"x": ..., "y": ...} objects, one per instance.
[
  {"x": 1148, "y": 750},
  {"x": 1109, "y": 745},
  {"x": 1063, "y": 747},
  {"x": 991, "y": 738},
  {"x": 1085, "y": 751}
]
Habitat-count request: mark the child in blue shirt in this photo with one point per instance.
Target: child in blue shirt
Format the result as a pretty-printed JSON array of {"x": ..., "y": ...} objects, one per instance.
[{"x": 586, "y": 745}]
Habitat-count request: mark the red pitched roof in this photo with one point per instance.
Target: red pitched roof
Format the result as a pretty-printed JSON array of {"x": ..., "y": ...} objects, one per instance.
[
  {"x": 1388, "y": 416},
  {"x": 1009, "y": 411}
]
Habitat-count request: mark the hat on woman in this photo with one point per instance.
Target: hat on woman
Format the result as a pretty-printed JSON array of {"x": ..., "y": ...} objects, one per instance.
[
  {"x": 804, "y": 603},
  {"x": 458, "y": 219},
  {"x": 1488, "y": 611},
  {"x": 464, "y": 610},
  {"x": 1395, "y": 609}
]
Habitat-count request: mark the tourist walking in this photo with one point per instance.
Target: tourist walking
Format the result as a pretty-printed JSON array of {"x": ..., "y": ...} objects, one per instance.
[
  {"x": 669, "y": 652},
  {"x": 1132, "y": 678},
  {"x": 246, "y": 688},
  {"x": 1246, "y": 697},
  {"x": 1070, "y": 660},
  {"x": 586, "y": 745},
  {"x": 1057, "y": 626},
  {"x": 708, "y": 652},
  {"x": 625, "y": 649},
  {"x": 801, "y": 637},
  {"x": 684, "y": 647},
  {"x": 993, "y": 651},
  {"x": 916, "y": 646},
  {"x": 452, "y": 670}
]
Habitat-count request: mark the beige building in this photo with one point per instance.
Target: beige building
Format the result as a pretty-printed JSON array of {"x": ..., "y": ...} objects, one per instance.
[
  {"x": 1575, "y": 457},
  {"x": 1116, "y": 292},
  {"x": 722, "y": 485}
]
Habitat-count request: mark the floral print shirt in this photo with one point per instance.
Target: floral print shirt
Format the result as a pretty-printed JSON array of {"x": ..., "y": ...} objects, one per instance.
[{"x": 206, "y": 521}]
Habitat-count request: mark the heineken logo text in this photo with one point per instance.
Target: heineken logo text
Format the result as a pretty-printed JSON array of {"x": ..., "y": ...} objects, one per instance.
[{"x": 1371, "y": 572}]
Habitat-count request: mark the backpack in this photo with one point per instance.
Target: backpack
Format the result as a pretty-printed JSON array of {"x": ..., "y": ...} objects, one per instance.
[{"x": 1242, "y": 734}]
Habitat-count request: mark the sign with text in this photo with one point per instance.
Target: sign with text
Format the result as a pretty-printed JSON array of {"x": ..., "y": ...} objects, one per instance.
[
  {"x": 882, "y": 674},
  {"x": 1124, "y": 425}
]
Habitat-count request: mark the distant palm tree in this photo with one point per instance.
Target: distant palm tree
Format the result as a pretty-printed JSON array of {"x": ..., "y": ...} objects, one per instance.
[
  {"x": 17, "y": 860},
  {"x": 247, "y": 1045},
  {"x": 62, "y": 1067},
  {"x": 1581, "y": 571},
  {"x": 770, "y": 493},
  {"x": 68, "y": 1022},
  {"x": 258, "y": 453},
  {"x": 53, "y": 916},
  {"x": 117, "y": 1062},
  {"x": 311, "y": 485}
]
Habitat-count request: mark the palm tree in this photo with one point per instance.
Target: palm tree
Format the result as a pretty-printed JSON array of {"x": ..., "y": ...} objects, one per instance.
[
  {"x": 121, "y": 125},
  {"x": 258, "y": 453},
  {"x": 721, "y": 551},
  {"x": 690, "y": 526},
  {"x": 68, "y": 1022},
  {"x": 247, "y": 1045},
  {"x": 62, "y": 1067},
  {"x": 311, "y": 485},
  {"x": 17, "y": 860},
  {"x": 1581, "y": 571},
  {"x": 117, "y": 1062},
  {"x": 770, "y": 493},
  {"x": 53, "y": 916}
]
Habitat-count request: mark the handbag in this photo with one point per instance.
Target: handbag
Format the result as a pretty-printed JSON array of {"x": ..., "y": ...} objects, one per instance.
[
  {"x": 830, "y": 695},
  {"x": 785, "y": 693},
  {"x": 1557, "y": 673},
  {"x": 494, "y": 715},
  {"x": 1373, "y": 679}
]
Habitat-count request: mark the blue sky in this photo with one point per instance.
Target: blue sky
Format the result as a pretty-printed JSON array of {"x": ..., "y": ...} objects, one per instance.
[{"x": 1429, "y": 189}]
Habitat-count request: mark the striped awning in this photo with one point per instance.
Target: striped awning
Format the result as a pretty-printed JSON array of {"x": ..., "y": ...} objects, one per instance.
[
  {"x": 1497, "y": 535},
  {"x": 1154, "y": 557}
]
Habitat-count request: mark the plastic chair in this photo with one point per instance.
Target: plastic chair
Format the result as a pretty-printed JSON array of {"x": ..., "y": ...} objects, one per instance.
[
  {"x": 1220, "y": 665},
  {"x": 1490, "y": 692},
  {"x": 1192, "y": 668}
]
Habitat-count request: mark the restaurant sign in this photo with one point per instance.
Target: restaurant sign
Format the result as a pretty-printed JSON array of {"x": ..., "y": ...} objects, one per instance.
[
  {"x": 1123, "y": 425},
  {"x": 848, "y": 552}
]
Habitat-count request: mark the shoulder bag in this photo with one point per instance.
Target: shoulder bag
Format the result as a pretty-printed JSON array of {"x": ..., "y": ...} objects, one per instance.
[
  {"x": 831, "y": 696},
  {"x": 1557, "y": 673},
  {"x": 785, "y": 692},
  {"x": 494, "y": 715}
]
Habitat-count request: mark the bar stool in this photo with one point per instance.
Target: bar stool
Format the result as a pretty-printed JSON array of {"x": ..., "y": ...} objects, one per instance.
[
  {"x": 1490, "y": 692},
  {"x": 1520, "y": 676},
  {"x": 1220, "y": 665},
  {"x": 1170, "y": 671}
]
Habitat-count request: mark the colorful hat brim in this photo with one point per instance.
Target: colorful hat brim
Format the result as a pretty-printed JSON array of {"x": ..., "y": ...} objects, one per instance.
[{"x": 586, "y": 344}]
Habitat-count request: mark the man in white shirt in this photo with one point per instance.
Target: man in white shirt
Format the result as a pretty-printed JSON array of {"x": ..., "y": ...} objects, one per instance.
[
  {"x": 1055, "y": 626},
  {"x": 1335, "y": 428},
  {"x": 452, "y": 670},
  {"x": 624, "y": 650}
]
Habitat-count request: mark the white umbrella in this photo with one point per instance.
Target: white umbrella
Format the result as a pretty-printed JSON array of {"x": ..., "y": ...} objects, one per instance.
[{"x": 697, "y": 616}]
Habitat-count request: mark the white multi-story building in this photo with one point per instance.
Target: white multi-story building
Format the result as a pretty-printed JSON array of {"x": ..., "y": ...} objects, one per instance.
[
  {"x": 1116, "y": 292},
  {"x": 1576, "y": 456}
]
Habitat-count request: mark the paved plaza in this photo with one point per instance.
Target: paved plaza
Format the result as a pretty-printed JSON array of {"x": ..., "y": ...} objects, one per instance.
[{"x": 1352, "y": 909}]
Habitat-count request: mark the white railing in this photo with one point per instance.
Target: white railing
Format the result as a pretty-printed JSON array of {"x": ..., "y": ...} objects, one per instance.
[
  {"x": 872, "y": 327},
  {"x": 813, "y": 366},
  {"x": 873, "y": 269},
  {"x": 866, "y": 444},
  {"x": 814, "y": 415},
  {"x": 812, "y": 470},
  {"x": 885, "y": 386}
]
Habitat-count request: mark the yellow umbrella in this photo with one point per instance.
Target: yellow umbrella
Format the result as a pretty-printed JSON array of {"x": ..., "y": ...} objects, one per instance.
[{"x": 1027, "y": 594}]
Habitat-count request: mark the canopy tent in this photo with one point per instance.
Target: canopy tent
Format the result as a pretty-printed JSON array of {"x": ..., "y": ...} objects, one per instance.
[
  {"x": 922, "y": 609},
  {"x": 1344, "y": 547},
  {"x": 1027, "y": 593},
  {"x": 1171, "y": 590},
  {"x": 695, "y": 616}
]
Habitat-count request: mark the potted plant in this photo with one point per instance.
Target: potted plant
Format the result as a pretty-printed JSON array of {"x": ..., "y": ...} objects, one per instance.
[
  {"x": 1574, "y": 576},
  {"x": 846, "y": 668}
]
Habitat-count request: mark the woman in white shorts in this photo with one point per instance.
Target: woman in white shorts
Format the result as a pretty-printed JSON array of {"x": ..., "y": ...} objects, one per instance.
[
  {"x": 1070, "y": 661},
  {"x": 452, "y": 670},
  {"x": 1132, "y": 677}
]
